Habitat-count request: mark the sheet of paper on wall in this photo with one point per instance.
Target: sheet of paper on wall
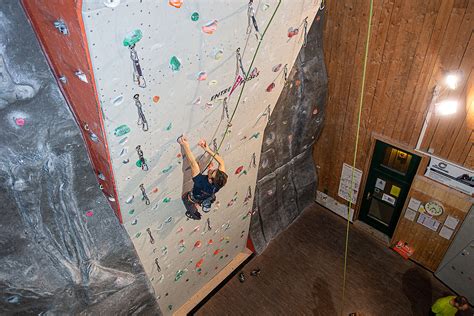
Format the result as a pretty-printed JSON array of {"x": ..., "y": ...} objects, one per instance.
[
  {"x": 389, "y": 199},
  {"x": 395, "y": 191},
  {"x": 414, "y": 204},
  {"x": 446, "y": 233},
  {"x": 346, "y": 182},
  {"x": 410, "y": 214},
  {"x": 428, "y": 222},
  {"x": 380, "y": 184},
  {"x": 451, "y": 222}
]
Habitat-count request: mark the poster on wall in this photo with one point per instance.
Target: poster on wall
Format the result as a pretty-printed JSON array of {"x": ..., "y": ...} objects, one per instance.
[
  {"x": 346, "y": 181},
  {"x": 452, "y": 175}
]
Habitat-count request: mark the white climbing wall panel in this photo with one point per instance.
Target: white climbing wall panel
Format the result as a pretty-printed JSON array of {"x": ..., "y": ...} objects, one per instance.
[{"x": 185, "y": 254}]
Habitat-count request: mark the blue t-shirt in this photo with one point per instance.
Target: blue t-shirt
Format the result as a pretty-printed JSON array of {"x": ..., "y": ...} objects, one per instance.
[{"x": 202, "y": 188}]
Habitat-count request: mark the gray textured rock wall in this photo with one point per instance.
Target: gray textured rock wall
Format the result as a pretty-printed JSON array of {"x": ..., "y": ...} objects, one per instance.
[
  {"x": 62, "y": 250},
  {"x": 287, "y": 178}
]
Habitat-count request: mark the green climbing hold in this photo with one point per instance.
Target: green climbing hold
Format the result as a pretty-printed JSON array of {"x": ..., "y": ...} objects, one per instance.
[
  {"x": 131, "y": 212},
  {"x": 132, "y": 38},
  {"x": 170, "y": 307},
  {"x": 181, "y": 249},
  {"x": 195, "y": 16},
  {"x": 179, "y": 274},
  {"x": 170, "y": 125},
  {"x": 139, "y": 163},
  {"x": 166, "y": 200},
  {"x": 175, "y": 63},
  {"x": 168, "y": 169},
  {"x": 138, "y": 235},
  {"x": 121, "y": 130}
]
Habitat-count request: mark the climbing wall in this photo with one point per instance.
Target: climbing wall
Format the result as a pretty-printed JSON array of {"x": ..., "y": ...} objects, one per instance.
[
  {"x": 210, "y": 70},
  {"x": 147, "y": 72}
]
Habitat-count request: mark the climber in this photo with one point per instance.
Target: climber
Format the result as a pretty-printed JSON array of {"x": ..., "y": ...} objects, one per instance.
[{"x": 205, "y": 186}]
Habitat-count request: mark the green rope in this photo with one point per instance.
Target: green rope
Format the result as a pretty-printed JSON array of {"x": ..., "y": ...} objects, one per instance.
[
  {"x": 248, "y": 72},
  {"x": 355, "y": 154}
]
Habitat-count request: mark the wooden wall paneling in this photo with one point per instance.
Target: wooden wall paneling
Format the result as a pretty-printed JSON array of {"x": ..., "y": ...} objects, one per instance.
[
  {"x": 413, "y": 64},
  {"x": 462, "y": 140},
  {"x": 429, "y": 246},
  {"x": 447, "y": 60},
  {"x": 416, "y": 107},
  {"x": 427, "y": 84},
  {"x": 377, "y": 46}
]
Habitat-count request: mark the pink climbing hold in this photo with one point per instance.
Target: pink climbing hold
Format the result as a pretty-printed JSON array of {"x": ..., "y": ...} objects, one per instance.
[
  {"x": 176, "y": 3},
  {"x": 292, "y": 32},
  {"x": 202, "y": 76},
  {"x": 210, "y": 242},
  {"x": 197, "y": 244},
  {"x": 19, "y": 121},
  {"x": 210, "y": 27},
  {"x": 89, "y": 213},
  {"x": 270, "y": 87}
]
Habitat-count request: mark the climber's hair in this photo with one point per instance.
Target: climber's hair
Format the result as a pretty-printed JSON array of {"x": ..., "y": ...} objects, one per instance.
[{"x": 220, "y": 179}]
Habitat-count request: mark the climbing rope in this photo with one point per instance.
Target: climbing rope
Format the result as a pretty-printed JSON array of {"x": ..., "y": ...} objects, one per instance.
[{"x": 364, "y": 70}]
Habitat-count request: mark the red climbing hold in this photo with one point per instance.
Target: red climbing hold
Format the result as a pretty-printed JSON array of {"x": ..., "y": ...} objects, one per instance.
[
  {"x": 239, "y": 169},
  {"x": 270, "y": 87}
]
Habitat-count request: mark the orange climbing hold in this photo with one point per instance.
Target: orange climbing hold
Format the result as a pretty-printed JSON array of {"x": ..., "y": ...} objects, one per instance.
[
  {"x": 176, "y": 3},
  {"x": 156, "y": 99},
  {"x": 199, "y": 263}
]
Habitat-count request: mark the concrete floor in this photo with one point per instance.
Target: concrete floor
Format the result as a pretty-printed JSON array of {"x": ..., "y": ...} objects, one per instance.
[{"x": 301, "y": 274}]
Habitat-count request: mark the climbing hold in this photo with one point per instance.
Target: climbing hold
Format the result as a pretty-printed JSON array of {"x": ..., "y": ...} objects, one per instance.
[
  {"x": 239, "y": 169},
  {"x": 210, "y": 242},
  {"x": 181, "y": 249},
  {"x": 175, "y": 63},
  {"x": 210, "y": 27},
  {"x": 125, "y": 161},
  {"x": 139, "y": 163},
  {"x": 179, "y": 230},
  {"x": 168, "y": 128},
  {"x": 155, "y": 190},
  {"x": 111, "y": 3},
  {"x": 219, "y": 54},
  {"x": 255, "y": 135},
  {"x": 167, "y": 169},
  {"x": 292, "y": 32},
  {"x": 89, "y": 213},
  {"x": 131, "y": 211},
  {"x": 212, "y": 83},
  {"x": 176, "y": 3},
  {"x": 130, "y": 199},
  {"x": 156, "y": 99},
  {"x": 166, "y": 200},
  {"x": 134, "y": 222},
  {"x": 118, "y": 100},
  {"x": 265, "y": 7},
  {"x": 276, "y": 68},
  {"x": 197, "y": 101},
  {"x": 121, "y": 130},
  {"x": 270, "y": 87},
  {"x": 19, "y": 121},
  {"x": 132, "y": 38},
  {"x": 217, "y": 251},
  {"x": 170, "y": 307},
  {"x": 82, "y": 76},
  {"x": 179, "y": 274},
  {"x": 202, "y": 76},
  {"x": 169, "y": 220},
  {"x": 197, "y": 244},
  {"x": 123, "y": 141},
  {"x": 199, "y": 263},
  {"x": 194, "y": 16},
  {"x": 138, "y": 235}
]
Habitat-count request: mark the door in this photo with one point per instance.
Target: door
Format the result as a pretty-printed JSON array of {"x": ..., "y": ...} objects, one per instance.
[{"x": 389, "y": 180}]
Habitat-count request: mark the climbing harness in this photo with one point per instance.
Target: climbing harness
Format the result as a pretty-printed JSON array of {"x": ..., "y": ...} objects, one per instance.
[
  {"x": 141, "y": 116},
  {"x": 152, "y": 240},
  {"x": 144, "y": 196},
  {"x": 141, "y": 158},
  {"x": 356, "y": 146}
]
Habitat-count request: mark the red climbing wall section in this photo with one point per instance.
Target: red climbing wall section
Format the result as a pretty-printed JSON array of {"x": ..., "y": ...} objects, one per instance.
[{"x": 60, "y": 29}]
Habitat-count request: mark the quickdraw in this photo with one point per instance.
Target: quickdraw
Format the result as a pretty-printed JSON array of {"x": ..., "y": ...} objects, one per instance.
[
  {"x": 142, "y": 159},
  {"x": 137, "y": 69},
  {"x": 208, "y": 223},
  {"x": 240, "y": 65},
  {"x": 253, "y": 161},
  {"x": 157, "y": 265},
  {"x": 305, "y": 37},
  {"x": 252, "y": 20},
  {"x": 152, "y": 240},
  {"x": 225, "y": 112},
  {"x": 144, "y": 196},
  {"x": 141, "y": 116}
]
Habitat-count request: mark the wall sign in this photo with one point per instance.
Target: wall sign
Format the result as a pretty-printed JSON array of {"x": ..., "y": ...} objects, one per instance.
[
  {"x": 346, "y": 181},
  {"x": 449, "y": 174}
]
